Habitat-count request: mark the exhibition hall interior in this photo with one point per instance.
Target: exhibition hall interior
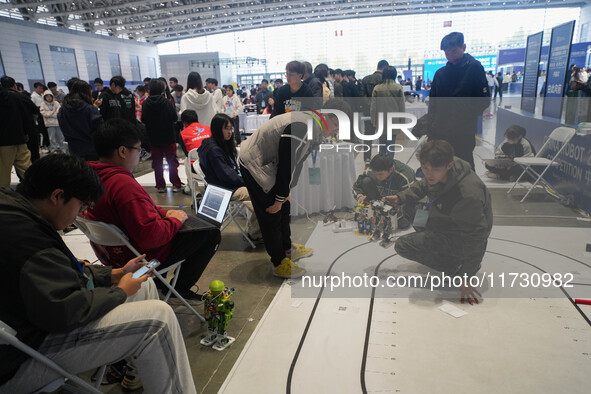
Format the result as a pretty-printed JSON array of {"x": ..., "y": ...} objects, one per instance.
[{"x": 272, "y": 196}]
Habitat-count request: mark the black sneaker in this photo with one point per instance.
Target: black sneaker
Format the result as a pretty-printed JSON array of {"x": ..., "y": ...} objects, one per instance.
[
  {"x": 131, "y": 381},
  {"x": 114, "y": 373}
]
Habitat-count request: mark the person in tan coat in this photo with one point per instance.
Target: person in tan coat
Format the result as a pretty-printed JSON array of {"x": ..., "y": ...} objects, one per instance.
[{"x": 386, "y": 97}]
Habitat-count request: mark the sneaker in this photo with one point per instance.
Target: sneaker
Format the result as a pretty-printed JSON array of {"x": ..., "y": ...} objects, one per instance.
[
  {"x": 257, "y": 240},
  {"x": 113, "y": 374},
  {"x": 187, "y": 190},
  {"x": 288, "y": 269},
  {"x": 176, "y": 189},
  {"x": 131, "y": 381},
  {"x": 299, "y": 251},
  {"x": 161, "y": 189}
]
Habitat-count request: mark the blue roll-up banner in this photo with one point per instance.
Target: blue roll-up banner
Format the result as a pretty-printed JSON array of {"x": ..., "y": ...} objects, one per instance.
[
  {"x": 530, "y": 77},
  {"x": 572, "y": 177},
  {"x": 557, "y": 67}
]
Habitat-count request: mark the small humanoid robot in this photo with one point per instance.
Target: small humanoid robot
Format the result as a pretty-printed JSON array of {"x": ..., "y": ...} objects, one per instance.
[
  {"x": 218, "y": 313},
  {"x": 382, "y": 218},
  {"x": 363, "y": 217}
]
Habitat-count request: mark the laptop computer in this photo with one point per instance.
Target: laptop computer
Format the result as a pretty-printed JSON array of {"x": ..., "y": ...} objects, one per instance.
[
  {"x": 212, "y": 210},
  {"x": 500, "y": 162}
]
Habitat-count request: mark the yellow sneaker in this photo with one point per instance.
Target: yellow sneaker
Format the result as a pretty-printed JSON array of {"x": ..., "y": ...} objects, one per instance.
[
  {"x": 299, "y": 251},
  {"x": 288, "y": 269}
]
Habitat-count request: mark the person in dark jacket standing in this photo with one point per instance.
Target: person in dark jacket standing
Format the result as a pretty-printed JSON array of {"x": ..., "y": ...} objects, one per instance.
[
  {"x": 458, "y": 96},
  {"x": 78, "y": 118},
  {"x": 16, "y": 112},
  {"x": 117, "y": 101},
  {"x": 159, "y": 116}
]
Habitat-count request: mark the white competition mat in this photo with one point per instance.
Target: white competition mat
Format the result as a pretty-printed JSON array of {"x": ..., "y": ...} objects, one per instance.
[{"x": 377, "y": 343}]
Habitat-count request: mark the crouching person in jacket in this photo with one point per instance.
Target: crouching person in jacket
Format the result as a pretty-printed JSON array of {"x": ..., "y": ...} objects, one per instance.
[
  {"x": 79, "y": 315},
  {"x": 454, "y": 225}
]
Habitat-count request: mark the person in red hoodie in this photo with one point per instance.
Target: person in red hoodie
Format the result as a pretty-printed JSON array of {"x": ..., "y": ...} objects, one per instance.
[
  {"x": 126, "y": 204},
  {"x": 194, "y": 132}
]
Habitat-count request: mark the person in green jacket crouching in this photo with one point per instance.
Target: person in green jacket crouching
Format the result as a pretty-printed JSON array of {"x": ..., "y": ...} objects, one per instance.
[{"x": 453, "y": 226}]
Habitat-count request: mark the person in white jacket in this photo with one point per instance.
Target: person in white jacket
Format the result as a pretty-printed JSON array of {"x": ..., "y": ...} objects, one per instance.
[
  {"x": 49, "y": 109},
  {"x": 198, "y": 99},
  {"x": 211, "y": 84},
  {"x": 233, "y": 108}
]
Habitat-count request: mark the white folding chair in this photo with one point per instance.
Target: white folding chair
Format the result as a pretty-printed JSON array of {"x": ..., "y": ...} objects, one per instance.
[
  {"x": 560, "y": 135},
  {"x": 196, "y": 177},
  {"x": 235, "y": 209},
  {"x": 417, "y": 148},
  {"x": 110, "y": 235},
  {"x": 8, "y": 337}
]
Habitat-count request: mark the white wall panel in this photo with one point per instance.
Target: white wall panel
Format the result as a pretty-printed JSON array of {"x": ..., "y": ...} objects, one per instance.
[{"x": 12, "y": 32}]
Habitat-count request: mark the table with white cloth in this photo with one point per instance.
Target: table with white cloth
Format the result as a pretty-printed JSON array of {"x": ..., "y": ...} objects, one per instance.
[
  {"x": 337, "y": 176},
  {"x": 249, "y": 122},
  {"x": 417, "y": 109}
]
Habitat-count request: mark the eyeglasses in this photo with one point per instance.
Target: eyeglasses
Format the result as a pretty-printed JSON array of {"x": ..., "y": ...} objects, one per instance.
[
  {"x": 141, "y": 150},
  {"x": 86, "y": 205},
  {"x": 230, "y": 127}
]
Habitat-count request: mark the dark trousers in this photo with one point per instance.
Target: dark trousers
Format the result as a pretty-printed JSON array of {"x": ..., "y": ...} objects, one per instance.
[
  {"x": 197, "y": 248},
  {"x": 33, "y": 145},
  {"x": 43, "y": 131},
  {"x": 369, "y": 129},
  {"x": 236, "y": 124},
  {"x": 463, "y": 146},
  {"x": 158, "y": 153},
  {"x": 499, "y": 90},
  {"x": 274, "y": 227},
  {"x": 431, "y": 249}
]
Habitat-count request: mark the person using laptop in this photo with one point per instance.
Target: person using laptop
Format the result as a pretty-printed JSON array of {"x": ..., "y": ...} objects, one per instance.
[
  {"x": 126, "y": 204},
  {"x": 515, "y": 145},
  {"x": 218, "y": 159}
]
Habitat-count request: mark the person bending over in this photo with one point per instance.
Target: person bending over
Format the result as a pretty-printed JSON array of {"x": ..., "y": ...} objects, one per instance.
[
  {"x": 270, "y": 163},
  {"x": 126, "y": 204},
  {"x": 454, "y": 225},
  {"x": 79, "y": 315},
  {"x": 386, "y": 176}
]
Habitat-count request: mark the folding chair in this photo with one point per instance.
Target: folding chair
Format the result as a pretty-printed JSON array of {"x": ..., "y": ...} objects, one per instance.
[
  {"x": 559, "y": 135},
  {"x": 417, "y": 148},
  {"x": 195, "y": 177},
  {"x": 8, "y": 337},
  {"x": 235, "y": 209},
  {"x": 110, "y": 235}
]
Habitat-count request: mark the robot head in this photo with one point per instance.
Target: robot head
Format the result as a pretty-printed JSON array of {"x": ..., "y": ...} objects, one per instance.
[{"x": 216, "y": 287}]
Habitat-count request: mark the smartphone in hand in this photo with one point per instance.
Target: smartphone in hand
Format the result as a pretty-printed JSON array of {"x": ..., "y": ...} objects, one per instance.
[{"x": 146, "y": 269}]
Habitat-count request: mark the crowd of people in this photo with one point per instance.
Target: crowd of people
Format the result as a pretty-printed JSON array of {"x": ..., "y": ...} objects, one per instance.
[{"x": 51, "y": 297}]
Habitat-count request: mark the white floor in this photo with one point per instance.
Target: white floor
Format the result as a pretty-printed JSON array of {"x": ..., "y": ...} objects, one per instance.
[{"x": 400, "y": 341}]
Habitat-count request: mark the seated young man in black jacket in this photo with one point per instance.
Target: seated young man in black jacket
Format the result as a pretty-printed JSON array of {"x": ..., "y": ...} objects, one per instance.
[{"x": 79, "y": 315}]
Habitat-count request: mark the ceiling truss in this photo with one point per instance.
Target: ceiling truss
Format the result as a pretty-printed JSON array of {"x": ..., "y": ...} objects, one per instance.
[{"x": 159, "y": 21}]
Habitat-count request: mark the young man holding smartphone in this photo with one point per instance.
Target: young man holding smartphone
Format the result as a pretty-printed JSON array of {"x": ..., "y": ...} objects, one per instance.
[{"x": 79, "y": 315}]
